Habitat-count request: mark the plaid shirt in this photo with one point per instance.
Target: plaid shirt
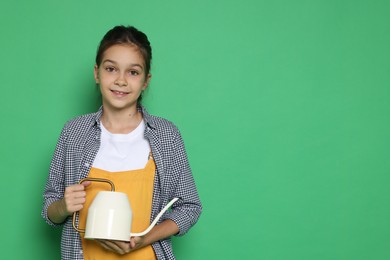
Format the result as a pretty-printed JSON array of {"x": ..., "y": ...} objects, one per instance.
[{"x": 73, "y": 157}]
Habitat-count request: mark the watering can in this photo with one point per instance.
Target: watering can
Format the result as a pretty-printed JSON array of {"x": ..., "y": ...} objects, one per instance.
[{"x": 110, "y": 215}]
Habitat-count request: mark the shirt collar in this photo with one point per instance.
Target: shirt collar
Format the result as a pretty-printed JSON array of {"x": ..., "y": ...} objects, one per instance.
[
  {"x": 147, "y": 117},
  {"x": 98, "y": 115}
]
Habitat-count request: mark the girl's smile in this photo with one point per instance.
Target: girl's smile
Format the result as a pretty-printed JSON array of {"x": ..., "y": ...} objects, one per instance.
[
  {"x": 119, "y": 93},
  {"x": 121, "y": 76}
]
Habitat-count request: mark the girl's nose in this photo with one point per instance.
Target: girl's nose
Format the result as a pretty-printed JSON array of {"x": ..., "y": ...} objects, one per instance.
[{"x": 121, "y": 81}]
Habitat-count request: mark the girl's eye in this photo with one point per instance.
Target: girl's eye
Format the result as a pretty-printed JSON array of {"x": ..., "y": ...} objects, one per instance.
[
  {"x": 110, "y": 69},
  {"x": 134, "y": 73}
]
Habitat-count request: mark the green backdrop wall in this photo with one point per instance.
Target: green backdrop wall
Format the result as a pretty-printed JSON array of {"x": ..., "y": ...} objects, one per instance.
[{"x": 283, "y": 105}]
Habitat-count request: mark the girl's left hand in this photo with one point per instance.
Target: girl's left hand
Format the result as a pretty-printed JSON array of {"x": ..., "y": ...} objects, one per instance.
[{"x": 121, "y": 247}]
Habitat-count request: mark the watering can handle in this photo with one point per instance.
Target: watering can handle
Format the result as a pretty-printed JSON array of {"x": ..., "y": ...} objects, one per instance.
[
  {"x": 96, "y": 180},
  {"x": 155, "y": 220}
]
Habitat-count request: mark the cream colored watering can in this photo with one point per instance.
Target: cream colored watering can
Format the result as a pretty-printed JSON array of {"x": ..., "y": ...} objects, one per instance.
[{"x": 110, "y": 215}]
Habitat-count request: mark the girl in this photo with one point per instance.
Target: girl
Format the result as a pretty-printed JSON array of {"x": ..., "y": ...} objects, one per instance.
[{"x": 142, "y": 154}]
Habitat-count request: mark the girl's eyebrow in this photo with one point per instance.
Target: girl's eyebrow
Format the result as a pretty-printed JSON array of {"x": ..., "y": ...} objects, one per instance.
[
  {"x": 131, "y": 65},
  {"x": 108, "y": 60}
]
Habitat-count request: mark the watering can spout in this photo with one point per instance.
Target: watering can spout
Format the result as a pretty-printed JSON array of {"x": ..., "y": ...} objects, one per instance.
[{"x": 155, "y": 220}]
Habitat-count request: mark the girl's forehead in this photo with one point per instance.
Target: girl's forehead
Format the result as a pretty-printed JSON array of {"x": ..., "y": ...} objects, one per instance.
[
  {"x": 123, "y": 48},
  {"x": 122, "y": 52}
]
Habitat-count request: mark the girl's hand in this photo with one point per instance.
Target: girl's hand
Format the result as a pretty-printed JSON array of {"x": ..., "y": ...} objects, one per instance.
[
  {"x": 122, "y": 247},
  {"x": 161, "y": 231},
  {"x": 74, "y": 197}
]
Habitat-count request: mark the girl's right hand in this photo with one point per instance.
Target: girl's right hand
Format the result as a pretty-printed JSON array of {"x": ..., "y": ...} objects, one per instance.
[{"x": 74, "y": 197}]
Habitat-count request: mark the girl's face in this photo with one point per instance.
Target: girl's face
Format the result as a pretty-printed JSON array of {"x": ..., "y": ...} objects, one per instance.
[{"x": 121, "y": 76}]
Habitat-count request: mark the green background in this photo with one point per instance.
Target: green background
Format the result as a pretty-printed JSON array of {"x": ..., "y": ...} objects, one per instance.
[{"x": 283, "y": 105}]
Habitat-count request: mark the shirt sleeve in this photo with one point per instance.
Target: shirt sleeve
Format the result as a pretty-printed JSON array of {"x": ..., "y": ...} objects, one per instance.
[
  {"x": 187, "y": 210},
  {"x": 55, "y": 184}
]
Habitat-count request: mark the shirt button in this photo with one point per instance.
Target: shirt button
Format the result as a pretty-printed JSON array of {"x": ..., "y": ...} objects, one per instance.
[
  {"x": 86, "y": 164},
  {"x": 81, "y": 252}
]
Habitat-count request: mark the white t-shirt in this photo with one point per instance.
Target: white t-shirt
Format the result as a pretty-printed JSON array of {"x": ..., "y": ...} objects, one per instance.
[{"x": 122, "y": 152}]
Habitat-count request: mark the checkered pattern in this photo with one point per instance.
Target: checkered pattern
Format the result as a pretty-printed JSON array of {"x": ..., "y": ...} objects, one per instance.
[{"x": 75, "y": 152}]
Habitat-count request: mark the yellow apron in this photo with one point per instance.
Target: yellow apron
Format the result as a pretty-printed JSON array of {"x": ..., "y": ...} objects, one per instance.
[{"x": 138, "y": 185}]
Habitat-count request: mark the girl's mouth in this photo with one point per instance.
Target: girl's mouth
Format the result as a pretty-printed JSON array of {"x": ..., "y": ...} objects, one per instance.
[{"x": 119, "y": 93}]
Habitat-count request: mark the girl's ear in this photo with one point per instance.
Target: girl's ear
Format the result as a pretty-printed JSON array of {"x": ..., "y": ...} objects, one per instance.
[
  {"x": 147, "y": 80},
  {"x": 96, "y": 74}
]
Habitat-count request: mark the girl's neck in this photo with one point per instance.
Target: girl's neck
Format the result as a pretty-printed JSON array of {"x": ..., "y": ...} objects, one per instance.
[{"x": 121, "y": 121}]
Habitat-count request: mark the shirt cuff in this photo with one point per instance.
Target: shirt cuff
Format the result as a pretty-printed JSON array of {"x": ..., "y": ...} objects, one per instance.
[
  {"x": 182, "y": 219},
  {"x": 48, "y": 202}
]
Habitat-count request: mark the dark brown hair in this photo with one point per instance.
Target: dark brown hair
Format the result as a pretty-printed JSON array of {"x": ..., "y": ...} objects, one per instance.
[{"x": 126, "y": 35}]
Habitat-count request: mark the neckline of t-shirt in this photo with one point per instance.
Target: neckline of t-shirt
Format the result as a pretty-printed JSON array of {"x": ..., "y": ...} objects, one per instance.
[{"x": 124, "y": 137}]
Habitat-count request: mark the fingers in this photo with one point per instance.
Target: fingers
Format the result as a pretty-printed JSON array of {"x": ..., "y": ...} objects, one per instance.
[
  {"x": 132, "y": 243},
  {"x": 74, "y": 197},
  {"x": 119, "y": 247},
  {"x": 86, "y": 183}
]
